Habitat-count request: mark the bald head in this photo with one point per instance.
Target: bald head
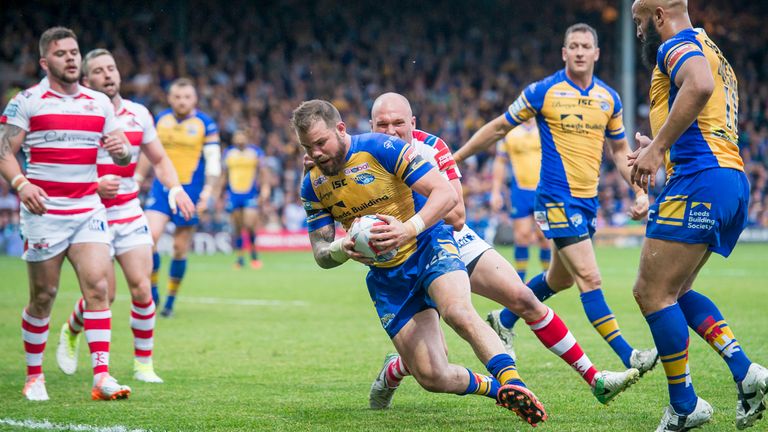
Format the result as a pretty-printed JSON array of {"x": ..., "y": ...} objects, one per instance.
[
  {"x": 657, "y": 21},
  {"x": 391, "y": 114}
]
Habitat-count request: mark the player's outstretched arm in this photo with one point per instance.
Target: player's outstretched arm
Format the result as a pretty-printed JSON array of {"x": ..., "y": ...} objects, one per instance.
[
  {"x": 694, "y": 79},
  {"x": 11, "y": 139},
  {"x": 156, "y": 156},
  {"x": 484, "y": 138}
]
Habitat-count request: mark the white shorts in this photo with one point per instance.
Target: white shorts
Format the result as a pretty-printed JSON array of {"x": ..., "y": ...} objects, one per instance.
[
  {"x": 46, "y": 236},
  {"x": 126, "y": 236},
  {"x": 471, "y": 245}
]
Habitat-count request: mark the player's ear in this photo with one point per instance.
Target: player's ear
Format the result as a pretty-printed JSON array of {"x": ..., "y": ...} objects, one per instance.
[
  {"x": 597, "y": 54},
  {"x": 341, "y": 127},
  {"x": 413, "y": 122},
  {"x": 44, "y": 64},
  {"x": 563, "y": 50},
  {"x": 658, "y": 17},
  {"x": 370, "y": 122}
]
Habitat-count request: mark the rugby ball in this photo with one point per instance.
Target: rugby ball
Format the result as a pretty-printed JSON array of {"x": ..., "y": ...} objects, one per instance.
[{"x": 360, "y": 233}]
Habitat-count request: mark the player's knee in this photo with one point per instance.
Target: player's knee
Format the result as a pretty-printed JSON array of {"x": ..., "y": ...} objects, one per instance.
[
  {"x": 459, "y": 317},
  {"x": 432, "y": 380},
  {"x": 591, "y": 279},
  {"x": 522, "y": 238},
  {"x": 44, "y": 296}
]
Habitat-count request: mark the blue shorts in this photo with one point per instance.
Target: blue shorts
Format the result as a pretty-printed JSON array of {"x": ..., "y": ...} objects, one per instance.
[
  {"x": 237, "y": 201},
  {"x": 158, "y": 201},
  {"x": 522, "y": 202},
  {"x": 561, "y": 215},
  {"x": 399, "y": 293},
  {"x": 709, "y": 206}
]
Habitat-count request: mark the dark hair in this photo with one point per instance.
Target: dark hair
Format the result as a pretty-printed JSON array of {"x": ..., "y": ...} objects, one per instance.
[
  {"x": 98, "y": 52},
  {"x": 182, "y": 82},
  {"x": 54, "y": 34},
  {"x": 580, "y": 27},
  {"x": 312, "y": 111}
]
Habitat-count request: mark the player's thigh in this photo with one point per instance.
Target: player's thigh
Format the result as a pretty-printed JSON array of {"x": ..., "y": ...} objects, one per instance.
[
  {"x": 250, "y": 217},
  {"x": 157, "y": 222},
  {"x": 523, "y": 229},
  {"x": 495, "y": 279},
  {"x": 580, "y": 261},
  {"x": 91, "y": 262},
  {"x": 137, "y": 268},
  {"x": 665, "y": 267},
  {"x": 420, "y": 343},
  {"x": 450, "y": 290}
]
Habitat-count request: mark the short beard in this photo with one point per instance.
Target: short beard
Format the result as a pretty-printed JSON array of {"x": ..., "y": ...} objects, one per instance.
[
  {"x": 650, "y": 45},
  {"x": 338, "y": 160},
  {"x": 62, "y": 76}
]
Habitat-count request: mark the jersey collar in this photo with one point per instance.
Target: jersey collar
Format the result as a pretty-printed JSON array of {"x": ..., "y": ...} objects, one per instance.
[{"x": 584, "y": 92}]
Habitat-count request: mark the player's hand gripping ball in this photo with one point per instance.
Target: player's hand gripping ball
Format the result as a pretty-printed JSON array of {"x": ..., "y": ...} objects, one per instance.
[{"x": 360, "y": 233}]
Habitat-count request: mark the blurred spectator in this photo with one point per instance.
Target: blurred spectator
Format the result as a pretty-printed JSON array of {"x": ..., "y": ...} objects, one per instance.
[{"x": 457, "y": 73}]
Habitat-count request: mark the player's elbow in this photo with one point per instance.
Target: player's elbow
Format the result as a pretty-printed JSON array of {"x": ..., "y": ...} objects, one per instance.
[
  {"x": 702, "y": 89},
  {"x": 456, "y": 219}
]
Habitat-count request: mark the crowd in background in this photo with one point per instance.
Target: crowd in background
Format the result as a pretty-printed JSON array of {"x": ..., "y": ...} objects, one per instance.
[{"x": 459, "y": 65}]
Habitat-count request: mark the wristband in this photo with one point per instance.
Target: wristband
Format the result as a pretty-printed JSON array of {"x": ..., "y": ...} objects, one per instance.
[
  {"x": 172, "y": 197},
  {"x": 22, "y": 185},
  {"x": 418, "y": 223},
  {"x": 17, "y": 180},
  {"x": 337, "y": 253}
]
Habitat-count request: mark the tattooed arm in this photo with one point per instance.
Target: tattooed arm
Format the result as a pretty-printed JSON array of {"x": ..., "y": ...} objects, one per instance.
[
  {"x": 11, "y": 138},
  {"x": 321, "y": 240}
]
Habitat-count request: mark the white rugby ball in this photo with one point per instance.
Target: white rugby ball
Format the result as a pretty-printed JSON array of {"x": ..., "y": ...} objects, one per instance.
[{"x": 360, "y": 233}]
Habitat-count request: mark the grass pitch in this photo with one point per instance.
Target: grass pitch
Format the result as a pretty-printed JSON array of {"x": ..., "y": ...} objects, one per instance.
[{"x": 295, "y": 347}]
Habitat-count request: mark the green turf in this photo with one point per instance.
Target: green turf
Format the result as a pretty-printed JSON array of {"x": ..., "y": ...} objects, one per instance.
[{"x": 309, "y": 366}]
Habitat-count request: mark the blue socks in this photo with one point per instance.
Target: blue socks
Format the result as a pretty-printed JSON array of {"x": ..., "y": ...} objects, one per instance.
[
  {"x": 605, "y": 323},
  {"x": 670, "y": 333}
]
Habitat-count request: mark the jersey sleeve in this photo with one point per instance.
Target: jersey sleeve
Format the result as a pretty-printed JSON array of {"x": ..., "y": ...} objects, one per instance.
[
  {"x": 446, "y": 164},
  {"x": 615, "y": 127},
  {"x": 148, "y": 126},
  {"x": 211, "y": 131},
  {"x": 111, "y": 123},
  {"x": 402, "y": 160},
  {"x": 317, "y": 215},
  {"x": 673, "y": 54},
  {"x": 527, "y": 105},
  {"x": 15, "y": 113}
]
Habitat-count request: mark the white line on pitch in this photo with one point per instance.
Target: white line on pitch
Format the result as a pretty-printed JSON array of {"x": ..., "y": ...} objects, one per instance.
[
  {"x": 46, "y": 425},
  {"x": 215, "y": 300}
]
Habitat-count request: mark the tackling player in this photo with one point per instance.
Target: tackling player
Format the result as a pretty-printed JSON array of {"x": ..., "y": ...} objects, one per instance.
[
  {"x": 191, "y": 139},
  {"x": 131, "y": 239},
  {"x": 702, "y": 208},
  {"x": 490, "y": 275},
  {"x": 60, "y": 126},
  {"x": 378, "y": 174},
  {"x": 576, "y": 113}
]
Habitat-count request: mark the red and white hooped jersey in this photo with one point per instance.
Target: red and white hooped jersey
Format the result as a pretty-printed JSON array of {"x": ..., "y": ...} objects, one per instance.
[
  {"x": 436, "y": 151},
  {"x": 139, "y": 127},
  {"x": 62, "y": 142}
]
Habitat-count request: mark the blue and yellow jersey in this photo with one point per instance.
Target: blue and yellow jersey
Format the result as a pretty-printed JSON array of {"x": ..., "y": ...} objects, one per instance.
[
  {"x": 183, "y": 140},
  {"x": 242, "y": 166},
  {"x": 711, "y": 141},
  {"x": 573, "y": 124},
  {"x": 376, "y": 178},
  {"x": 522, "y": 147}
]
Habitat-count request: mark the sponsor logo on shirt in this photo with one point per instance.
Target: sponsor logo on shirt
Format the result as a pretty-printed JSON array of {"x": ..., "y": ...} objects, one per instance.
[{"x": 364, "y": 178}]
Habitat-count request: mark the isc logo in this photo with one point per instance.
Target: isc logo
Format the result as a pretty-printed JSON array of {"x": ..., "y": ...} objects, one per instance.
[{"x": 339, "y": 183}]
